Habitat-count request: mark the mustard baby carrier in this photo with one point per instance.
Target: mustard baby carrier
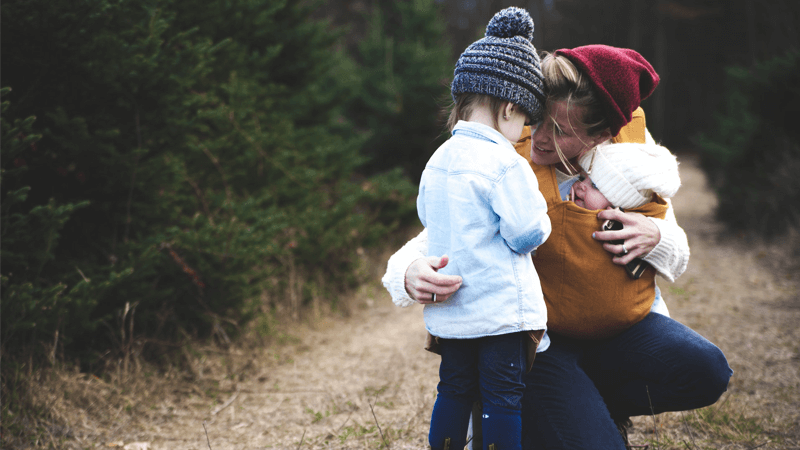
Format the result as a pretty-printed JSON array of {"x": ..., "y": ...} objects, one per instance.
[{"x": 587, "y": 295}]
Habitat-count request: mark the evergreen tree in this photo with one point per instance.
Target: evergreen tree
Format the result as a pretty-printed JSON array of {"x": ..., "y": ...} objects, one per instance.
[
  {"x": 406, "y": 69},
  {"x": 190, "y": 160},
  {"x": 753, "y": 155}
]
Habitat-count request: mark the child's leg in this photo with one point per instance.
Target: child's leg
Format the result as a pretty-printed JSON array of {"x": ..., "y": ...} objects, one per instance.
[
  {"x": 502, "y": 366},
  {"x": 458, "y": 386}
]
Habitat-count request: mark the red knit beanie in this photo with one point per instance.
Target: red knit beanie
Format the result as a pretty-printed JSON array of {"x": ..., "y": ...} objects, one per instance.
[{"x": 622, "y": 77}]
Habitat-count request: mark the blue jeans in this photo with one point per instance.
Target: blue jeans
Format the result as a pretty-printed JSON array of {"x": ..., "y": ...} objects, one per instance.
[
  {"x": 577, "y": 389},
  {"x": 492, "y": 367}
]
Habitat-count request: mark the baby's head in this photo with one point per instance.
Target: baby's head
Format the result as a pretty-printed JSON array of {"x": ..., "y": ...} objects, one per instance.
[
  {"x": 625, "y": 176},
  {"x": 503, "y": 65}
]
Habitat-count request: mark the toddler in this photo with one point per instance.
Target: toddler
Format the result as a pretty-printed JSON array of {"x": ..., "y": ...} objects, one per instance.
[{"x": 481, "y": 204}]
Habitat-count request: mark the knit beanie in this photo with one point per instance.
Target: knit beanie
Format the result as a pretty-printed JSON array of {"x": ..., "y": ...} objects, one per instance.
[
  {"x": 621, "y": 76},
  {"x": 628, "y": 174},
  {"x": 504, "y": 64}
]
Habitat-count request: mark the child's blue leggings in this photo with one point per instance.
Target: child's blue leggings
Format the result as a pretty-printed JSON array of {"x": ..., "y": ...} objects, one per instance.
[{"x": 492, "y": 367}]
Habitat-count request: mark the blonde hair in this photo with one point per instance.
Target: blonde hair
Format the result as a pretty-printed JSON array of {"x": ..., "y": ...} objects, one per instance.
[
  {"x": 465, "y": 104},
  {"x": 566, "y": 83}
]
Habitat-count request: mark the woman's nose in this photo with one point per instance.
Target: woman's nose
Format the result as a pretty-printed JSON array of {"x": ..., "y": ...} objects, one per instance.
[{"x": 541, "y": 135}]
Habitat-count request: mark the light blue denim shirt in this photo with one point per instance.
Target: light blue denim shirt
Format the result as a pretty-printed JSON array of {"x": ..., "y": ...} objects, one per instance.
[{"x": 481, "y": 204}]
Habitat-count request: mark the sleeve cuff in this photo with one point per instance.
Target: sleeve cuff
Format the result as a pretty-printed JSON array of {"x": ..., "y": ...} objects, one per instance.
[{"x": 671, "y": 255}]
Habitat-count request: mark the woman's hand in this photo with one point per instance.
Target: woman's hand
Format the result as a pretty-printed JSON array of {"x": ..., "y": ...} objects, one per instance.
[
  {"x": 640, "y": 235},
  {"x": 422, "y": 280}
]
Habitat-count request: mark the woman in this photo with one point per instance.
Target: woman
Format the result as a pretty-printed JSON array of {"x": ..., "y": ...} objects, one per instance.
[{"x": 580, "y": 390}]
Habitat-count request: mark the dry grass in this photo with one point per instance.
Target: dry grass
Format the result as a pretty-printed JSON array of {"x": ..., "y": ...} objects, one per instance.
[
  {"x": 739, "y": 294},
  {"x": 358, "y": 377}
]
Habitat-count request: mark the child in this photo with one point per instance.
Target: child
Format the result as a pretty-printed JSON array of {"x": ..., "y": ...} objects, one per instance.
[
  {"x": 481, "y": 205},
  {"x": 625, "y": 176}
]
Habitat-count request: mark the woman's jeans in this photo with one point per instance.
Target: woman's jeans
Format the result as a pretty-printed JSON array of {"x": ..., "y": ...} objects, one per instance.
[
  {"x": 578, "y": 389},
  {"x": 492, "y": 367}
]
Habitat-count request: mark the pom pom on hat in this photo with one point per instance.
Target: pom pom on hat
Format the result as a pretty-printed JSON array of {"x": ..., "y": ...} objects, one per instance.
[
  {"x": 629, "y": 174},
  {"x": 511, "y": 22},
  {"x": 621, "y": 76},
  {"x": 504, "y": 64}
]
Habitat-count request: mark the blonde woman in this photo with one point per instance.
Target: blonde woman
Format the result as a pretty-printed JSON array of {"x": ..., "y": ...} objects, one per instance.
[{"x": 587, "y": 383}]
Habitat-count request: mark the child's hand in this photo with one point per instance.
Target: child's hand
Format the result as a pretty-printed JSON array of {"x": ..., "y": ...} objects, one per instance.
[
  {"x": 422, "y": 280},
  {"x": 640, "y": 236}
]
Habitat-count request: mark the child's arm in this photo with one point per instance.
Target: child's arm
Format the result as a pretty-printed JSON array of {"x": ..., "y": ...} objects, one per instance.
[{"x": 522, "y": 209}]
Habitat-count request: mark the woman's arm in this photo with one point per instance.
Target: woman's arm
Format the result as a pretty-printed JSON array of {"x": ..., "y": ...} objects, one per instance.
[
  {"x": 411, "y": 277},
  {"x": 671, "y": 255},
  {"x": 661, "y": 243}
]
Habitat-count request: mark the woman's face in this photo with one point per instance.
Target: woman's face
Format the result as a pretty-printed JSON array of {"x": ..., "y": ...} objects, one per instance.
[{"x": 562, "y": 126}]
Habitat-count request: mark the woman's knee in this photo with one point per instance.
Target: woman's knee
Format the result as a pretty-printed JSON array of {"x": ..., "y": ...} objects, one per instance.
[
  {"x": 711, "y": 374},
  {"x": 719, "y": 374}
]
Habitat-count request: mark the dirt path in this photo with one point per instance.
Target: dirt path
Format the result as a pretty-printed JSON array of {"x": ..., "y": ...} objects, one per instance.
[
  {"x": 360, "y": 381},
  {"x": 326, "y": 388}
]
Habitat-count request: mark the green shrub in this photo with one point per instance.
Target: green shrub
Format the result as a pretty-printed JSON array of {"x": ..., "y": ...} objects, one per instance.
[
  {"x": 30, "y": 235},
  {"x": 183, "y": 161},
  {"x": 406, "y": 69},
  {"x": 753, "y": 157}
]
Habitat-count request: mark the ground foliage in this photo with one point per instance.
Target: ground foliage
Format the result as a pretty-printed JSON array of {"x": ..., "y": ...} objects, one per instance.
[
  {"x": 170, "y": 171},
  {"x": 753, "y": 155}
]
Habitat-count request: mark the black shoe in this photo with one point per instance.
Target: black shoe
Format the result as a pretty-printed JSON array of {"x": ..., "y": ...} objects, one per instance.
[{"x": 622, "y": 427}]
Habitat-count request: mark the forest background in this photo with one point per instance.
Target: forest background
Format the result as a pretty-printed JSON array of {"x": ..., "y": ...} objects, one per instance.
[{"x": 175, "y": 173}]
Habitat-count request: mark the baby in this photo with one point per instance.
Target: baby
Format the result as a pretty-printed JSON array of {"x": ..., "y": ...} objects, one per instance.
[{"x": 625, "y": 176}]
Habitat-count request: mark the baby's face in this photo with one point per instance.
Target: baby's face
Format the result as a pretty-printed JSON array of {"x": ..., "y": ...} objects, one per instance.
[{"x": 586, "y": 195}]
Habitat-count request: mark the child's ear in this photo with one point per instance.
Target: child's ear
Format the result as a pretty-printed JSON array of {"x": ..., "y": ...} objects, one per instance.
[{"x": 508, "y": 110}]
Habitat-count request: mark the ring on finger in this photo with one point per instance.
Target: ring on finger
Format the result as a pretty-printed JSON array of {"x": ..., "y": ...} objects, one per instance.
[
  {"x": 434, "y": 298},
  {"x": 624, "y": 250}
]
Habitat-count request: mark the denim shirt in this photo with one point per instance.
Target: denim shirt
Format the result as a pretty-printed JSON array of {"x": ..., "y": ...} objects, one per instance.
[{"x": 481, "y": 204}]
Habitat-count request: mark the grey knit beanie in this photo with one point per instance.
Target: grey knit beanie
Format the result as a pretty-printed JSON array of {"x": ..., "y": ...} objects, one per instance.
[{"x": 504, "y": 64}]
